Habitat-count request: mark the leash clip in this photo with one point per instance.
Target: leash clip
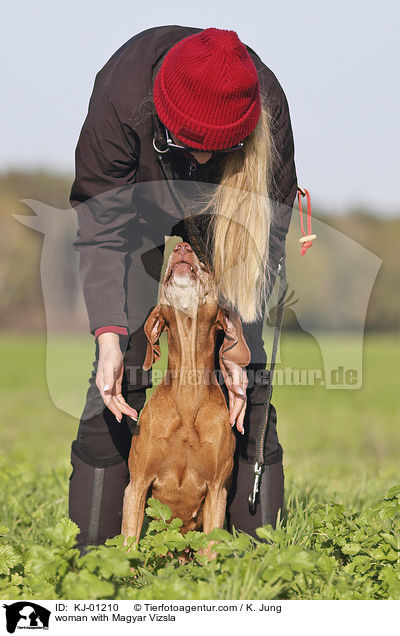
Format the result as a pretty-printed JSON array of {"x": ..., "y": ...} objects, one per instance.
[
  {"x": 256, "y": 485},
  {"x": 160, "y": 152}
]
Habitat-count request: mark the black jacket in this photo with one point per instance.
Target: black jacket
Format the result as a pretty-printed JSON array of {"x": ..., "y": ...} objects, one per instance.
[{"x": 116, "y": 167}]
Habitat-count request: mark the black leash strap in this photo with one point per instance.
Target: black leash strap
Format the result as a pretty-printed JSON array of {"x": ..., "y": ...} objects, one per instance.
[{"x": 259, "y": 464}]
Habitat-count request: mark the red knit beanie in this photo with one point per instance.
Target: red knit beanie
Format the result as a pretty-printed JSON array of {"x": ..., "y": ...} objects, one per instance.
[{"x": 206, "y": 91}]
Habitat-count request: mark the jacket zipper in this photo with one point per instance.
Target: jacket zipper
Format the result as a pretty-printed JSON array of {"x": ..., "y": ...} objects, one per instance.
[{"x": 192, "y": 167}]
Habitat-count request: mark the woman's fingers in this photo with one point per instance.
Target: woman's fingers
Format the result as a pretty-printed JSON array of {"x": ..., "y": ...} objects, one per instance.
[
  {"x": 106, "y": 392},
  {"x": 238, "y": 410},
  {"x": 109, "y": 380},
  {"x": 110, "y": 404},
  {"x": 234, "y": 408},
  {"x": 110, "y": 369},
  {"x": 124, "y": 406},
  {"x": 240, "y": 418},
  {"x": 236, "y": 382}
]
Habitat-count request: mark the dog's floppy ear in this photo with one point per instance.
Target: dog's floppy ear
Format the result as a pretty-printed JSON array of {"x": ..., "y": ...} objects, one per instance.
[
  {"x": 234, "y": 347},
  {"x": 153, "y": 328}
]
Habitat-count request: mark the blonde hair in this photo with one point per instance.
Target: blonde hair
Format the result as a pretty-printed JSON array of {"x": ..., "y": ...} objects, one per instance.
[{"x": 240, "y": 223}]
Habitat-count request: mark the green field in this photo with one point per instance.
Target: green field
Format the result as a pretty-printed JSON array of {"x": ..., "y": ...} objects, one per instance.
[{"x": 341, "y": 448}]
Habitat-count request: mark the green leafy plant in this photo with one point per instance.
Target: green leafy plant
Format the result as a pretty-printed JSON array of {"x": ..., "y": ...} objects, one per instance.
[{"x": 338, "y": 554}]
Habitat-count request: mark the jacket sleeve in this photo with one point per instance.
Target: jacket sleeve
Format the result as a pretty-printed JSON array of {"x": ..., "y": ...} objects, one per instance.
[
  {"x": 122, "y": 331},
  {"x": 106, "y": 161},
  {"x": 283, "y": 188}
]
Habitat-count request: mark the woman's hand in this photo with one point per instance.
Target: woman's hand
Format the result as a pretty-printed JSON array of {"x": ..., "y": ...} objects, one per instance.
[
  {"x": 236, "y": 382},
  {"x": 110, "y": 370}
]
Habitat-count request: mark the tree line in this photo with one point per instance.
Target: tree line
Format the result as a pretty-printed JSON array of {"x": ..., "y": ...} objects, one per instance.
[{"x": 21, "y": 293}]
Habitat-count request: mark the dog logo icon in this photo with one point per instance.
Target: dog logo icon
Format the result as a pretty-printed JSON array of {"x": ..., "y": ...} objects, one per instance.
[{"x": 26, "y": 615}]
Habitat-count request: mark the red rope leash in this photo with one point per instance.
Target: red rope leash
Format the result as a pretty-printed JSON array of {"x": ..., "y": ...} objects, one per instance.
[{"x": 308, "y": 238}]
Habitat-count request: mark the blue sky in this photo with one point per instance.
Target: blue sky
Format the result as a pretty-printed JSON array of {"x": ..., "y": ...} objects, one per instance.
[{"x": 337, "y": 62}]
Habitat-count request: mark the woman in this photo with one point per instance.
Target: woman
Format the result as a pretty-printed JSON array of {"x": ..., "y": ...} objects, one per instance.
[{"x": 174, "y": 108}]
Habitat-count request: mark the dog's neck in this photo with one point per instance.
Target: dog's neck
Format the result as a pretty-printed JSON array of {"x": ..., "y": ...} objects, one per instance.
[
  {"x": 191, "y": 343},
  {"x": 190, "y": 352}
]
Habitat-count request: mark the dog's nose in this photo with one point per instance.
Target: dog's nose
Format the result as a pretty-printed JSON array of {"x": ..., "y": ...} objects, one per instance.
[{"x": 182, "y": 248}]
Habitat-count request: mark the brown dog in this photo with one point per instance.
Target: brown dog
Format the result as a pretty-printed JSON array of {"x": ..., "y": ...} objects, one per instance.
[{"x": 184, "y": 449}]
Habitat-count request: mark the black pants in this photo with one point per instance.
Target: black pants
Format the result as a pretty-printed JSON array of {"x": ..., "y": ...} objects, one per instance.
[{"x": 100, "y": 451}]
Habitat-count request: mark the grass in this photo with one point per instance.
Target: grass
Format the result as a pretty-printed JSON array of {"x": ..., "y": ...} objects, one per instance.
[
  {"x": 342, "y": 441},
  {"x": 340, "y": 446}
]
